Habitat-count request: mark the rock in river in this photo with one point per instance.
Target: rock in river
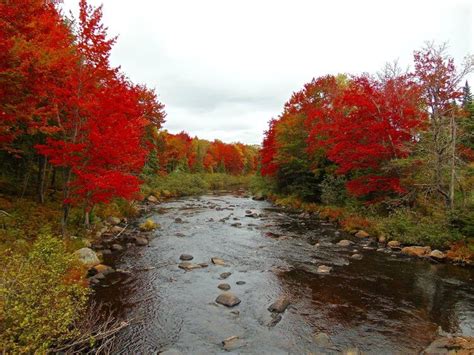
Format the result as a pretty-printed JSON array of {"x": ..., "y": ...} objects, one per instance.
[
  {"x": 186, "y": 257},
  {"x": 240, "y": 283},
  {"x": 186, "y": 265},
  {"x": 417, "y": 251},
  {"x": 356, "y": 256},
  {"x": 228, "y": 299},
  {"x": 438, "y": 255},
  {"x": 280, "y": 305},
  {"x": 345, "y": 243},
  {"x": 224, "y": 287},
  {"x": 141, "y": 241},
  {"x": 87, "y": 256},
  {"x": 393, "y": 244},
  {"x": 362, "y": 234},
  {"x": 232, "y": 343},
  {"x": 225, "y": 275},
  {"x": 103, "y": 269},
  {"x": 323, "y": 269},
  {"x": 152, "y": 199},
  {"x": 218, "y": 261}
]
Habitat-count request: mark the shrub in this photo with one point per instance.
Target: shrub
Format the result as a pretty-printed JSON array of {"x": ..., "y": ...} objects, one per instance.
[
  {"x": 412, "y": 228},
  {"x": 333, "y": 190},
  {"x": 42, "y": 293},
  {"x": 148, "y": 225},
  {"x": 188, "y": 184},
  {"x": 352, "y": 222}
]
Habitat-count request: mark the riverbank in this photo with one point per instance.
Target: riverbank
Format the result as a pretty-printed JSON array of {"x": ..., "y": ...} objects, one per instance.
[
  {"x": 380, "y": 230},
  {"x": 30, "y": 230}
]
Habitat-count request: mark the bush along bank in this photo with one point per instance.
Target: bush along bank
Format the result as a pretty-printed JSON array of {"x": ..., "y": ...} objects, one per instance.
[{"x": 378, "y": 233}]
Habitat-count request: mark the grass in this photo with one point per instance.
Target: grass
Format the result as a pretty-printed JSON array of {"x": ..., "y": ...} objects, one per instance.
[{"x": 188, "y": 184}]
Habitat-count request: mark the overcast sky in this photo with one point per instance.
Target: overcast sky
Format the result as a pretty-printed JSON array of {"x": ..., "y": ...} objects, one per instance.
[{"x": 224, "y": 68}]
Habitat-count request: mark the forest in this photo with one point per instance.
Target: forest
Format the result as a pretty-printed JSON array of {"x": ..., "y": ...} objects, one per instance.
[{"x": 389, "y": 154}]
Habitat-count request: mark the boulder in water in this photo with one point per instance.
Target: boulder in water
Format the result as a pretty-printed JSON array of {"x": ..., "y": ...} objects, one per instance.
[
  {"x": 224, "y": 287},
  {"x": 345, "y": 243},
  {"x": 228, "y": 299},
  {"x": 417, "y": 251},
  {"x": 186, "y": 257},
  {"x": 362, "y": 234},
  {"x": 280, "y": 305}
]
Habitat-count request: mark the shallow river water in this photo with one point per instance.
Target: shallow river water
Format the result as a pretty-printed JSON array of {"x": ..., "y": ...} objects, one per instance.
[{"x": 384, "y": 303}]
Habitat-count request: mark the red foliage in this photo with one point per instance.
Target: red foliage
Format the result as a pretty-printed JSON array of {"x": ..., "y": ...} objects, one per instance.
[
  {"x": 36, "y": 52},
  {"x": 268, "y": 151},
  {"x": 369, "y": 124},
  {"x": 102, "y": 130},
  {"x": 178, "y": 150},
  {"x": 224, "y": 156}
]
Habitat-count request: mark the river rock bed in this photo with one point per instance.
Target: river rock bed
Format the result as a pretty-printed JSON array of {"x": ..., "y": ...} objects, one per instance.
[{"x": 362, "y": 294}]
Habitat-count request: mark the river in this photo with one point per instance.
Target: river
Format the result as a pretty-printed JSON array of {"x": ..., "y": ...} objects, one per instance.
[{"x": 384, "y": 303}]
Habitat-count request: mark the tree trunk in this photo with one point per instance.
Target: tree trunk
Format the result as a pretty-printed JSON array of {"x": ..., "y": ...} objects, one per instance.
[
  {"x": 453, "y": 163},
  {"x": 26, "y": 179},
  {"x": 66, "y": 205},
  {"x": 42, "y": 162},
  {"x": 87, "y": 221}
]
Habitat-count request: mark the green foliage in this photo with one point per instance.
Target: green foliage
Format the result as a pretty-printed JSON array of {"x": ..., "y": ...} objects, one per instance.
[
  {"x": 42, "y": 293},
  {"x": 148, "y": 225},
  {"x": 463, "y": 221},
  {"x": 410, "y": 227},
  {"x": 187, "y": 184},
  {"x": 333, "y": 190},
  {"x": 262, "y": 185}
]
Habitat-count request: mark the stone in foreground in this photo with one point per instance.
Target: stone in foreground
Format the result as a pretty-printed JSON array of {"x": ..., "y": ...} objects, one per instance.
[
  {"x": 104, "y": 269},
  {"x": 232, "y": 343},
  {"x": 186, "y": 265},
  {"x": 87, "y": 256},
  {"x": 417, "y": 251},
  {"x": 186, "y": 257},
  {"x": 152, "y": 199},
  {"x": 218, "y": 261},
  {"x": 393, "y": 244},
  {"x": 323, "y": 269},
  {"x": 345, "y": 243},
  {"x": 228, "y": 299},
  {"x": 141, "y": 241},
  {"x": 280, "y": 305},
  {"x": 362, "y": 234},
  {"x": 438, "y": 255}
]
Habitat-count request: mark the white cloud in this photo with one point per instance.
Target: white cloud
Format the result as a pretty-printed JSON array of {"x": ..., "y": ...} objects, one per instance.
[{"x": 224, "y": 68}]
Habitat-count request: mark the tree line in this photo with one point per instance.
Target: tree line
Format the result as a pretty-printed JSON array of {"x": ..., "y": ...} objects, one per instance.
[
  {"x": 71, "y": 121},
  {"x": 394, "y": 139}
]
